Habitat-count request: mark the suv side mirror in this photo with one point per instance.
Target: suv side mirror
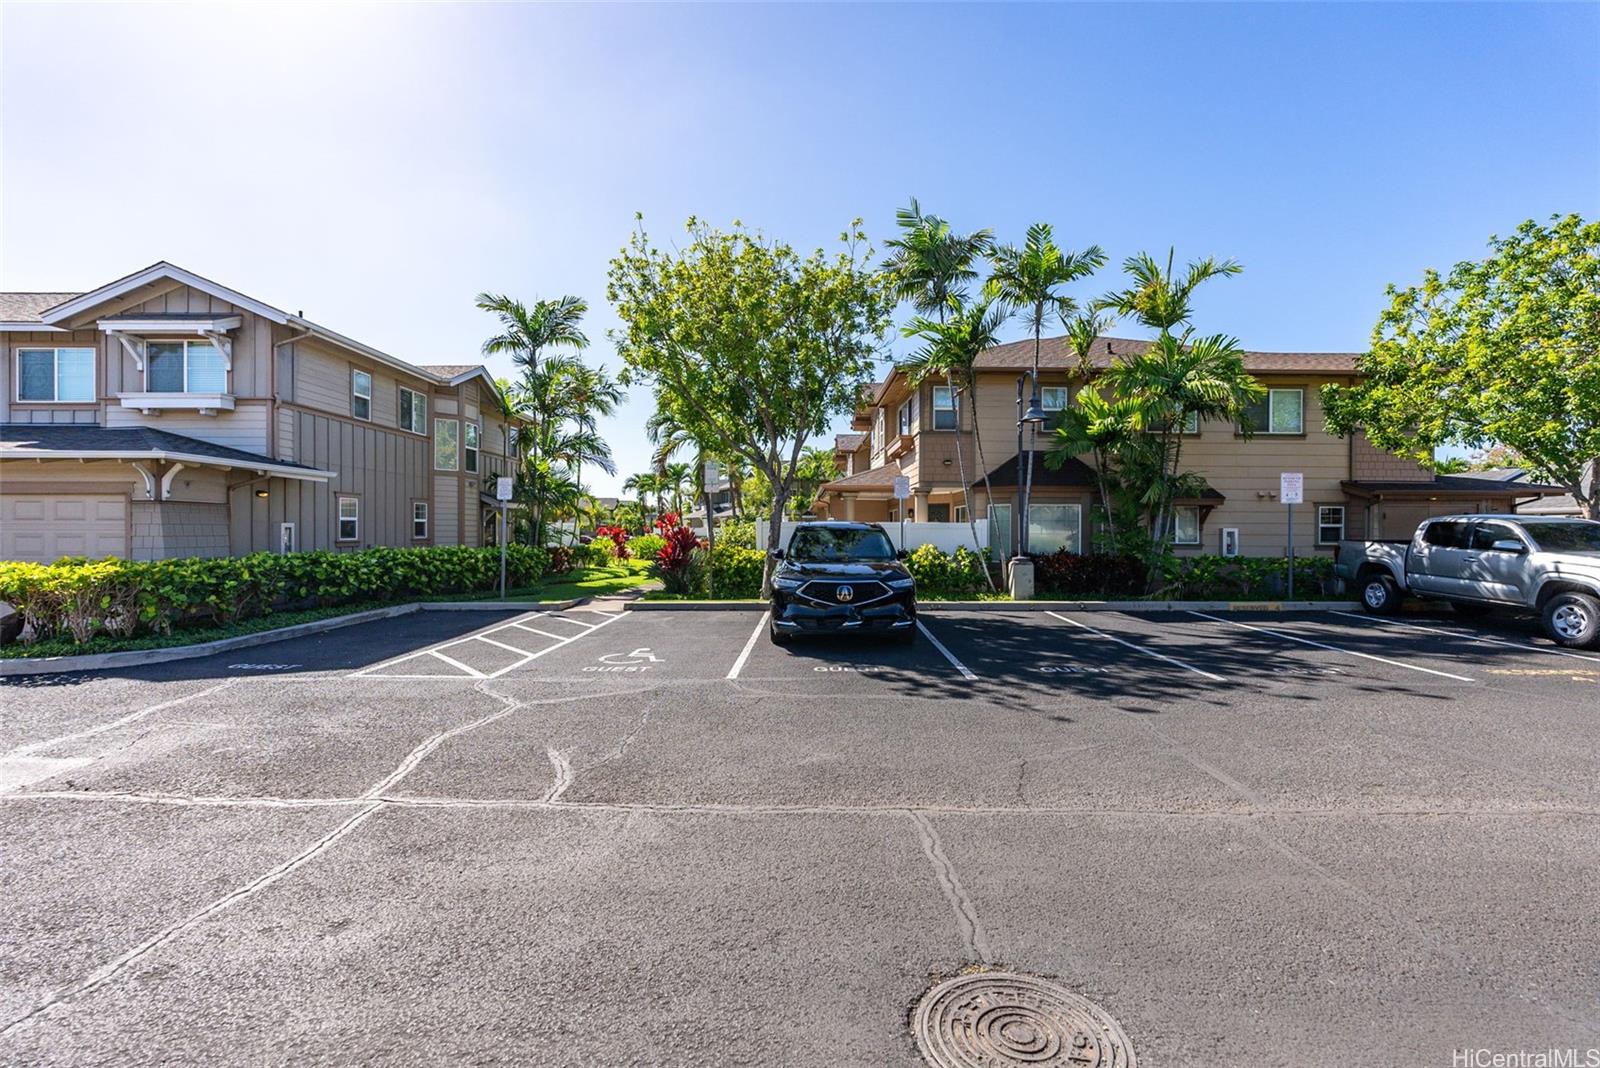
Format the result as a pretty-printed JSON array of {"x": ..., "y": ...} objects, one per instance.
[
  {"x": 901, "y": 554},
  {"x": 1508, "y": 545},
  {"x": 776, "y": 554}
]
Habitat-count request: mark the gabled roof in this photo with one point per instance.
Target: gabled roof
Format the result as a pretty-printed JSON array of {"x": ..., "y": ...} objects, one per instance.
[
  {"x": 1054, "y": 354},
  {"x": 848, "y": 442},
  {"x": 878, "y": 478},
  {"x": 73, "y": 441},
  {"x": 1072, "y": 472}
]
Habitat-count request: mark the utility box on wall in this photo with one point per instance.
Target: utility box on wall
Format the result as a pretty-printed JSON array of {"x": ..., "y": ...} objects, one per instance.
[{"x": 1230, "y": 541}]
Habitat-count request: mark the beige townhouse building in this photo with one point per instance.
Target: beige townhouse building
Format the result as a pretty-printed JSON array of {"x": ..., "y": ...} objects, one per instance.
[
  {"x": 1351, "y": 489},
  {"x": 164, "y": 414}
]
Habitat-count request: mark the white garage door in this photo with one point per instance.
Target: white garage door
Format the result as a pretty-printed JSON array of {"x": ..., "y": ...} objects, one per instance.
[{"x": 42, "y": 528}]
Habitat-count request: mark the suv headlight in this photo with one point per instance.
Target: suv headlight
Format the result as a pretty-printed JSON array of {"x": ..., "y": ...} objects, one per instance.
[
  {"x": 902, "y": 584},
  {"x": 782, "y": 582}
]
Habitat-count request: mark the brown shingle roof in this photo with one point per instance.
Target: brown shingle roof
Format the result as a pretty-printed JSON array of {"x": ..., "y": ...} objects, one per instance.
[
  {"x": 1053, "y": 353},
  {"x": 877, "y": 478},
  {"x": 848, "y": 442},
  {"x": 448, "y": 370},
  {"x": 27, "y": 307}
]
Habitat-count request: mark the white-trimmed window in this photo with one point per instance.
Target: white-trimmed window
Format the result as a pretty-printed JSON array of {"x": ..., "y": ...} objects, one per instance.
[
  {"x": 944, "y": 408},
  {"x": 413, "y": 411},
  {"x": 961, "y": 513},
  {"x": 1053, "y": 398},
  {"x": 511, "y": 441},
  {"x": 1053, "y": 527},
  {"x": 908, "y": 416},
  {"x": 184, "y": 367},
  {"x": 1191, "y": 423},
  {"x": 1186, "y": 525},
  {"x": 877, "y": 431},
  {"x": 1330, "y": 524},
  {"x": 55, "y": 375},
  {"x": 1281, "y": 411},
  {"x": 349, "y": 518},
  {"x": 446, "y": 444},
  {"x": 419, "y": 520},
  {"x": 361, "y": 394},
  {"x": 471, "y": 444}
]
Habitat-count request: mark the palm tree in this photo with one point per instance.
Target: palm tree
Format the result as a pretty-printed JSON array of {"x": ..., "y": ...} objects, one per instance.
[
  {"x": 1031, "y": 278},
  {"x": 816, "y": 466},
  {"x": 592, "y": 393},
  {"x": 525, "y": 334},
  {"x": 1101, "y": 426},
  {"x": 931, "y": 266},
  {"x": 951, "y": 348},
  {"x": 1158, "y": 300},
  {"x": 645, "y": 484},
  {"x": 678, "y": 478}
]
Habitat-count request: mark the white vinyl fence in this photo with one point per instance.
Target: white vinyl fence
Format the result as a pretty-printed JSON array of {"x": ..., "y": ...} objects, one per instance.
[{"x": 942, "y": 536}]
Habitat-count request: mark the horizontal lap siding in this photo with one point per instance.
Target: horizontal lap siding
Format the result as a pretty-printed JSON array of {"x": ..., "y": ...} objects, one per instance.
[{"x": 243, "y": 428}]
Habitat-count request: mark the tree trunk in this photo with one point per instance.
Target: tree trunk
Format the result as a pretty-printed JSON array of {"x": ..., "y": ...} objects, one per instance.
[
  {"x": 961, "y": 472},
  {"x": 1032, "y": 437}
]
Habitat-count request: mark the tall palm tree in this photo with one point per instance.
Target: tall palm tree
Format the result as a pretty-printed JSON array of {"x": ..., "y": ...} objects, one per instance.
[
  {"x": 1156, "y": 298},
  {"x": 931, "y": 266},
  {"x": 591, "y": 393},
  {"x": 1030, "y": 278},
  {"x": 645, "y": 484},
  {"x": 951, "y": 348},
  {"x": 525, "y": 334},
  {"x": 679, "y": 477}
]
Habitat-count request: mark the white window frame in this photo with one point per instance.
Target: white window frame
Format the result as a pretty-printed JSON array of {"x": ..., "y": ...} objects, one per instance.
[
  {"x": 356, "y": 375},
  {"x": 439, "y": 423},
  {"x": 470, "y": 436},
  {"x": 55, "y": 375},
  {"x": 907, "y": 416},
  {"x": 953, "y": 407},
  {"x": 960, "y": 513},
  {"x": 419, "y": 411},
  {"x": 1048, "y": 392},
  {"x": 1191, "y": 423},
  {"x": 1038, "y": 506},
  {"x": 1272, "y": 395},
  {"x": 1322, "y": 525},
  {"x": 149, "y": 361},
  {"x": 416, "y": 507},
  {"x": 878, "y": 426},
  {"x": 340, "y": 519},
  {"x": 1195, "y": 508}
]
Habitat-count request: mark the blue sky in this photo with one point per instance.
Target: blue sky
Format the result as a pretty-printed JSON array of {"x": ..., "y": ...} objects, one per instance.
[{"x": 377, "y": 166}]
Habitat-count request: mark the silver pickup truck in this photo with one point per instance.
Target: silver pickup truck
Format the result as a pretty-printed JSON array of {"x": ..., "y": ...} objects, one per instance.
[{"x": 1548, "y": 566}]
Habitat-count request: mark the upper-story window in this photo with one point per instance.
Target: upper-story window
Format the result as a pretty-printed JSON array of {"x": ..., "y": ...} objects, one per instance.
[
  {"x": 184, "y": 367},
  {"x": 1053, "y": 398},
  {"x": 1191, "y": 423},
  {"x": 472, "y": 446},
  {"x": 908, "y": 416},
  {"x": 413, "y": 411},
  {"x": 446, "y": 444},
  {"x": 1280, "y": 411},
  {"x": 361, "y": 394},
  {"x": 55, "y": 375},
  {"x": 944, "y": 408},
  {"x": 877, "y": 430}
]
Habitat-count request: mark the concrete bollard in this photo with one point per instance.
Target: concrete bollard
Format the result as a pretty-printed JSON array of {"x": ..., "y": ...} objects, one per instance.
[{"x": 1020, "y": 571}]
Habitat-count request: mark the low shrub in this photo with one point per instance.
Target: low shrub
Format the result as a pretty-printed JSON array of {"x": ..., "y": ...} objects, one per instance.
[
  {"x": 79, "y": 598},
  {"x": 1069, "y": 574},
  {"x": 737, "y": 532},
  {"x": 942, "y": 574},
  {"x": 563, "y": 558},
  {"x": 1221, "y": 578},
  {"x": 681, "y": 561},
  {"x": 617, "y": 537},
  {"x": 647, "y": 546},
  {"x": 736, "y": 571},
  {"x": 601, "y": 552}
]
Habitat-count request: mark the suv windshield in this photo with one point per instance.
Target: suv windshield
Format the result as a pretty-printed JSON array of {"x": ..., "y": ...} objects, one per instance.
[
  {"x": 1571, "y": 537},
  {"x": 831, "y": 545}
]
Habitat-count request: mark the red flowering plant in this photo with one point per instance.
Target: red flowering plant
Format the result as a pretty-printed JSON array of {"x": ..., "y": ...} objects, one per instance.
[
  {"x": 618, "y": 536},
  {"x": 682, "y": 559}
]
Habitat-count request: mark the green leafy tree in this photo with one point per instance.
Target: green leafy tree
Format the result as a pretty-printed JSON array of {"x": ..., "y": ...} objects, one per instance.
[
  {"x": 751, "y": 347},
  {"x": 1503, "y": 350},
  {"x": 950, "y": 349},
  {"x": 646, "y": 484},
  {"x": 1030, "y": 279},
  {"x": 931, "y": 266},
  {"x": 816, "y": 467}
]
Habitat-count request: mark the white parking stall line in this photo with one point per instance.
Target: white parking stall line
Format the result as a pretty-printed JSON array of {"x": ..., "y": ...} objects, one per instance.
[
  {"x": 1445, "y": 632},
  {"x": 966, "y": 672},
  {"x": 574, "y": 622},
  {"x": 750, "y": 643},
  {"x": 1332, "y": 648},
  {"x": 558, "y": 645},
  {"x": 1140, "y": 648},
  {"x": 503, "y": 645},
  {"x": 541, "y": 633},
  {"x": 474, "y": 672}
]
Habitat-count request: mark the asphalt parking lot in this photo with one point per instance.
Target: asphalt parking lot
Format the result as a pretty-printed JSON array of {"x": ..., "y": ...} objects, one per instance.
[{"x": 612, "y": 838}]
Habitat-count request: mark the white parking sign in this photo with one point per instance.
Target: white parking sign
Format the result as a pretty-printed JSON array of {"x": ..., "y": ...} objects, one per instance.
[
  {"x": 902, "y": 487},
  {"x": 502, "y": 489},
  {"x": 1291, "y": 488}
]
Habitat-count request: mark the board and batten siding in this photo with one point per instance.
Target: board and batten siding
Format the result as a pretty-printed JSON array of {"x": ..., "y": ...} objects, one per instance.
[
  {"x": 385, "y": 468},
  {"x": 251, "y": 376}
]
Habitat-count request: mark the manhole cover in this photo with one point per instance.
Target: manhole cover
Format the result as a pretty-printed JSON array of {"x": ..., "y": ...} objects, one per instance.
[{"x": 999, "y": 1019}]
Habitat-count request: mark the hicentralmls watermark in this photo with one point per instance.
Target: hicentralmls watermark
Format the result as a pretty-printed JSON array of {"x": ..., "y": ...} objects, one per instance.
[{"x": 1571, "y": 1057}]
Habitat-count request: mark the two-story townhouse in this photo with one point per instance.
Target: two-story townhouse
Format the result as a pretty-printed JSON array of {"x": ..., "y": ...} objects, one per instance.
[
  {"x": 1351, "y": 488},
  {"x": 164, "y": 414}
]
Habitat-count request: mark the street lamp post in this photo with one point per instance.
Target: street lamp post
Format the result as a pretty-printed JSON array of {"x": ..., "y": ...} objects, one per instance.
[{"x": 1029, "y": 415}]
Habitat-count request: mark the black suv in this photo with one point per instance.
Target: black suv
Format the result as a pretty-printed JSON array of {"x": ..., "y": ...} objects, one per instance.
[{"x": 837, "y": 578}]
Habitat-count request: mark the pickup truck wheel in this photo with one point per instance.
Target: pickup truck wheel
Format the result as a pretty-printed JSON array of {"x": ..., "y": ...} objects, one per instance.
[
  {"x": 1573, "y": 619},
  {"x": 1380, "y": 595}
]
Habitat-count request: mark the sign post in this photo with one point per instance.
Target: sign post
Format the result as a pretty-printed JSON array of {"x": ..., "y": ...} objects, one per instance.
[
  {"x": 1291, "y": 491},
  {"x": 502, "y": 493},
  {"x": 710, "y": 475},
  {"x": 902, "y": 490}
]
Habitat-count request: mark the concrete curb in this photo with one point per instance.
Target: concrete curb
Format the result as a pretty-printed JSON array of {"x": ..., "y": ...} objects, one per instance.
[
  {"x": 60, "y": 665},
  {"x": 1030, "y": 606}
]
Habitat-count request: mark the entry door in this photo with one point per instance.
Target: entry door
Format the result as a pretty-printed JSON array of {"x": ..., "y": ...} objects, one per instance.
[
  {"x": 1497, "y": 573},
  {"x": 1440, "y": 558}
]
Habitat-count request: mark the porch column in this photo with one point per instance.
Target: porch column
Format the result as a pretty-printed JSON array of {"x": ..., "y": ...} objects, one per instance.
[
  {"x": 849, "y": 505},
  {"x": 921, "y": 500}
]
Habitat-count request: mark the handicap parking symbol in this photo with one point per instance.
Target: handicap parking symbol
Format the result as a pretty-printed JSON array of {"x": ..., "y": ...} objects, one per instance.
[{"x": 638, "y": 660}]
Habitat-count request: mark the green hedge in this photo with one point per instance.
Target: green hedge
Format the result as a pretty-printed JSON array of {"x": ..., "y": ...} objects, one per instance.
[
  {"x": 80, "y": 598},
  {"x": 1218, "y": 578},
  {"x": 942, "y": 574},
  {"x": 736, "y": 571}
]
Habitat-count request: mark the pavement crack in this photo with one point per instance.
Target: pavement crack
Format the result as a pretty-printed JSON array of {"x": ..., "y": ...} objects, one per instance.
[
  {"x": 563, "y": 779},
  {"x": 973, "y": 938},
  {"x": 111, "y": 725},
  {"x": 110, "y": 970}
]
